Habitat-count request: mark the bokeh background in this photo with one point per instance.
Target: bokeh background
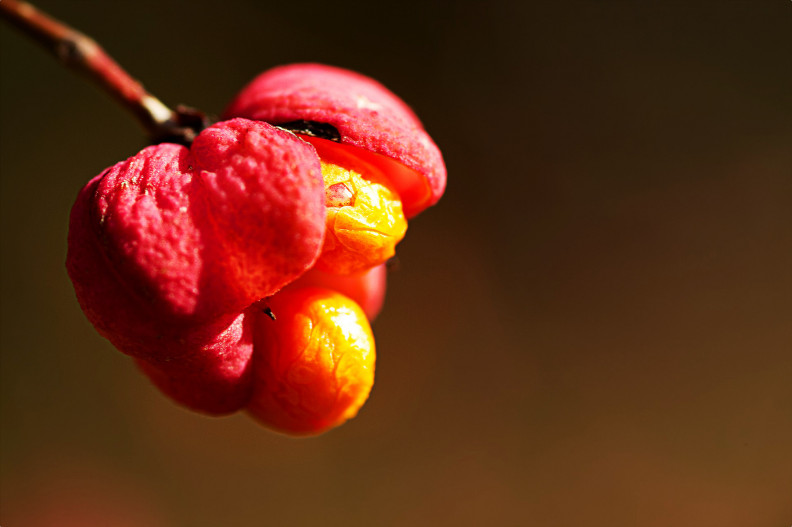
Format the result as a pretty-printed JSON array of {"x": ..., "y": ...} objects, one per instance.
[{"x": 593, "y": 327}]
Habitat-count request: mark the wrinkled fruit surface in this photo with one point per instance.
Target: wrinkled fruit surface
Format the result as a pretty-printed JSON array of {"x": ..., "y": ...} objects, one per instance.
[
  {"x": 364, "y": 221},
  {"x": 180, "y": 256},
  {"x": 314, "y": 365}
]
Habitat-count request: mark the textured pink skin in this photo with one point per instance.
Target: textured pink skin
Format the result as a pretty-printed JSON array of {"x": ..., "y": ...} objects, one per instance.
[
  {"x": 367, "y": 289},
  {"x": 167, "y": 248},
  {"x": 217, "y": 378},
  {"x": 365, "y": 113},
  {"x": 271, "y": 234}
]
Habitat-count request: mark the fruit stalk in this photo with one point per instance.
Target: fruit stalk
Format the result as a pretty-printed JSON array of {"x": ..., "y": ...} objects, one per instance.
[{"x": 81, "y": 53}]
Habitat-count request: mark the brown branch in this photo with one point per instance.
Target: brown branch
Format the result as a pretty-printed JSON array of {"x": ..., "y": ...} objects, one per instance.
[{"x": 82, "y": 53}]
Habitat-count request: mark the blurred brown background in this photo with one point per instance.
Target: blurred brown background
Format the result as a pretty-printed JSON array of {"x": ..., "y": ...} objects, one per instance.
[{"x": 593, "y": 327}]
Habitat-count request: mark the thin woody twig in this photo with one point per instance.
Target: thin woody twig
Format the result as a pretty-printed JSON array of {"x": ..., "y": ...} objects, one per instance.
[{"x": 81, "y": 53}]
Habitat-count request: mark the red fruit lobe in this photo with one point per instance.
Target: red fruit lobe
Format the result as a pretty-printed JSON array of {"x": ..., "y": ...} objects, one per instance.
[
  {"x": 168, "y": 248},
  {"x": 269, "y": 226},
  {"x": 366, "y": 115},
  {"x": 215, "y": 377}
]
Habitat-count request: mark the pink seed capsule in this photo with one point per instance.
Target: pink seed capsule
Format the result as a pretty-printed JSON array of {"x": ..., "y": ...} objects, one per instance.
[{"x": 167, "y": 249}]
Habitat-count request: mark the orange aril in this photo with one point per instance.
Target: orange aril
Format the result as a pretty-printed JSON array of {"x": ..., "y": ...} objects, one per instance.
[
  {"x": 364, "y": 220},
  {"x": 314, "y": 364}
]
